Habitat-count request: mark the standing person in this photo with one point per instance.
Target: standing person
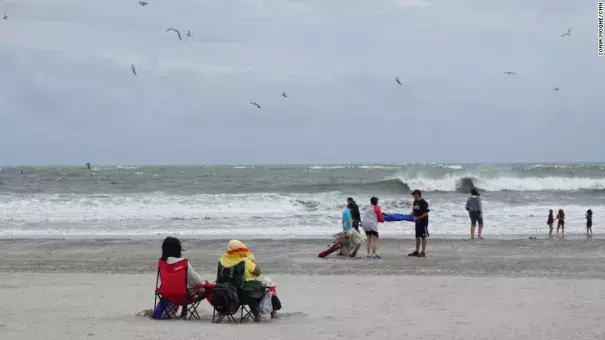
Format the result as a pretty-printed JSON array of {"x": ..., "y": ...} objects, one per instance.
[
  {"x": 352, "y": 205},
  {"x": 561, "y": 222},
  {"x": 550, "y": 222},
  {"x": 351, "y": 234},
  {"x": 371, "y": 218},
  {"x": 475, "y": 212},
  {"x": 589, "y": 222},
  {"x": 354, "y": 213},
  {"x": 421, "y": 218}
]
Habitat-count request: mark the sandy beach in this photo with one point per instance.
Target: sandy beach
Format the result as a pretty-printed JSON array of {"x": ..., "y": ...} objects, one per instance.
[{"x": 495, "y": 289}]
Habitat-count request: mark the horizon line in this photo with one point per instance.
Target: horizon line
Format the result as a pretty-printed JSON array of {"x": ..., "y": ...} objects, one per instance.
[{"x": 304, "y": 164}]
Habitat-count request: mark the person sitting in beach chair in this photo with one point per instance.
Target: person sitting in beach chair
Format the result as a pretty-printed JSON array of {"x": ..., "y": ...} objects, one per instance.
[
  {"x": 177, "y": 284},
  {"x": 238, "y": 287}
]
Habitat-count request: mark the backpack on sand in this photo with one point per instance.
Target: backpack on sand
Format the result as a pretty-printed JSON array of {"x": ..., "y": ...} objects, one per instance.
[{"x": 225, "y": 299}]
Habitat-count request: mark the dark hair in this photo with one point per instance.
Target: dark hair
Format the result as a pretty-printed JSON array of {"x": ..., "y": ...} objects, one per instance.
[
  {"x": 171, "y": 247},
  {"x": 589, "y": 212},
  {"x": 561, "y": 213},
  {"x": 474, "y": 192},
  {"x": 374, "y": 200},
  {"x": 350, "y": 199},
  {"x": 550, "y": 211}
]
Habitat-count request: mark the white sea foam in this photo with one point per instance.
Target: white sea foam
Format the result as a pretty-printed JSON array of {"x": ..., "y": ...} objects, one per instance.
[
  {"x": 251, "y": 215},
  {"x": 450, "y": 183},
  {"x": 364, "y": 166}
]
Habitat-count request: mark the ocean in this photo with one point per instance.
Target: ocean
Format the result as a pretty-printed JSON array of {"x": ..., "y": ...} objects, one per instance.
[{"x": 288, "y": 201}]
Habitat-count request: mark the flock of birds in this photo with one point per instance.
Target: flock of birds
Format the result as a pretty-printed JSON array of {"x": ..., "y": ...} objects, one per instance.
[
  {"x": 556, "y": 89},
  {"x": 284, "y": 94}
]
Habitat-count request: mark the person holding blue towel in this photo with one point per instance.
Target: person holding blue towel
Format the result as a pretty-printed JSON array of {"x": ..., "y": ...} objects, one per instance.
[
  {"x": 421, "y": 218},
  {"x": 371, "y": 218}
]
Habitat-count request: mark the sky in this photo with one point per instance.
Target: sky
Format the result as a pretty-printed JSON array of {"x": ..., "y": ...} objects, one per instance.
[{"x": 68, "y": 96}]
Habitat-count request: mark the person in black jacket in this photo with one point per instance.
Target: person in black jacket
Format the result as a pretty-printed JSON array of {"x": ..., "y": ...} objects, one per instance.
[{"x": 354, "y": 213}]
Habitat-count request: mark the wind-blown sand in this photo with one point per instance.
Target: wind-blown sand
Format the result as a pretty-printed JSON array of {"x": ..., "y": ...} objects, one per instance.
[{"x": 496, "y": 289}]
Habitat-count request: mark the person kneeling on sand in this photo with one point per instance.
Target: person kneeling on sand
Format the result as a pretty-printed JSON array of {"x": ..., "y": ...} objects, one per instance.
[
  {"x": 352, "y": 239},
  {"x": 253, "y": 290},
  {"x": 171, "y": 254}
]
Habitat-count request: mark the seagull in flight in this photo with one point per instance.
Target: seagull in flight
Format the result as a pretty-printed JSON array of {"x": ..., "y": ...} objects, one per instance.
[
  {"x": 568, "y": 33},
  {"x": 134, "y": 70},
  {"x": 189, "y": 33},
  {"x": 255, "y": 104},
  {"x": 556, "y": 89},
  {"x": 143, "y": 3},
  {"x": 284, "y": 94},
  {"x": 178, "y": 33},
  {"x": 510, "y": 73},
  {"x": 398, "y": 80}
]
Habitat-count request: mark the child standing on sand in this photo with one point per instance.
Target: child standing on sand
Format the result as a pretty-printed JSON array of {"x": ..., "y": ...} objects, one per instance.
[
  {"x": 561, "y": 223},
  {"x": 550, "y": 222},
  {"x": 589, "y": 222}
]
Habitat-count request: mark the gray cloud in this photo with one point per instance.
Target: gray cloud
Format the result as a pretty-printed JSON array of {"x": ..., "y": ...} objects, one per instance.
[{"x": 67, "y": 94}]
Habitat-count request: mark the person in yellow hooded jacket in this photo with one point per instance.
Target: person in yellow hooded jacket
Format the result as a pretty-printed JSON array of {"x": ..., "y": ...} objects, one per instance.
[{"x": 236, "y": 253}]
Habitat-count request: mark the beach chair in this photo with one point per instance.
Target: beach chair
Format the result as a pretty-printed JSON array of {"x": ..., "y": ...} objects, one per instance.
[
  {"x": 171, "y": 291},
  {"x": 247, "y": 306}
]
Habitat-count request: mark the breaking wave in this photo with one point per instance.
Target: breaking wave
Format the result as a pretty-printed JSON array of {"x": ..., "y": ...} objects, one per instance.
[
  {"x": 466, "y": 183},
  {"x": 462, "y": 184}
]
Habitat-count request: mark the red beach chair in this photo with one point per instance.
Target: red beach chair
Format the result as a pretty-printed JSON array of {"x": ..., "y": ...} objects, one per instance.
[
  {"x": 334, "y": 247},
  {"x": 171, "y": 291}
]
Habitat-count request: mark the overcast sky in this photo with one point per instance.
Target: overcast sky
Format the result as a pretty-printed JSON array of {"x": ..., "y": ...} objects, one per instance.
[{"x": 67, "y": 94}]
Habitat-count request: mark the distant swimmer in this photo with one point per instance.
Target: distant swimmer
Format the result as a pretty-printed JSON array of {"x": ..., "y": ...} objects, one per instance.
[
  {"x": 566, "y": 34},
  {"x": 189, "y": 34},
  {"x": 255, "y": 104},
  {"x": 398, "y": 80},
  {"x": 510, "y": 73},
  {"x": 556, "y": 89},
  {"x": 549, "y": 221},
  {"x": 5, "y": 17},
  {"x": 21, "y": 171},
  {"x": 561, "y": 223},
  {"x": 88, "y": 165},
  {"x": 143, "y": 3},
  {"x": 134, "y": 70},
  {"x": 178, "y": 33},
  {"x": 284, "y": 94},
  {"x": 589, "y": 222}
]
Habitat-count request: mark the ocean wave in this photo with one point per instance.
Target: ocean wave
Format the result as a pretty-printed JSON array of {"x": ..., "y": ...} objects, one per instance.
[
  {"x": 158, "y": 207},
  {"x": 364, "y": 166},
  {"x": 507, "y": 183}
]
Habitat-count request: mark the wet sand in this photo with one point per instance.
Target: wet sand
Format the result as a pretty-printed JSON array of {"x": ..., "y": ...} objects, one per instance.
[
  {"x": 570, "y": 258},
  {"x": 494, "y": 289}
]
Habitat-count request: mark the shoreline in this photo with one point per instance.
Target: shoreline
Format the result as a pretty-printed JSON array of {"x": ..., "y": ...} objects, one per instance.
[{"x": 327, "y": 238}]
